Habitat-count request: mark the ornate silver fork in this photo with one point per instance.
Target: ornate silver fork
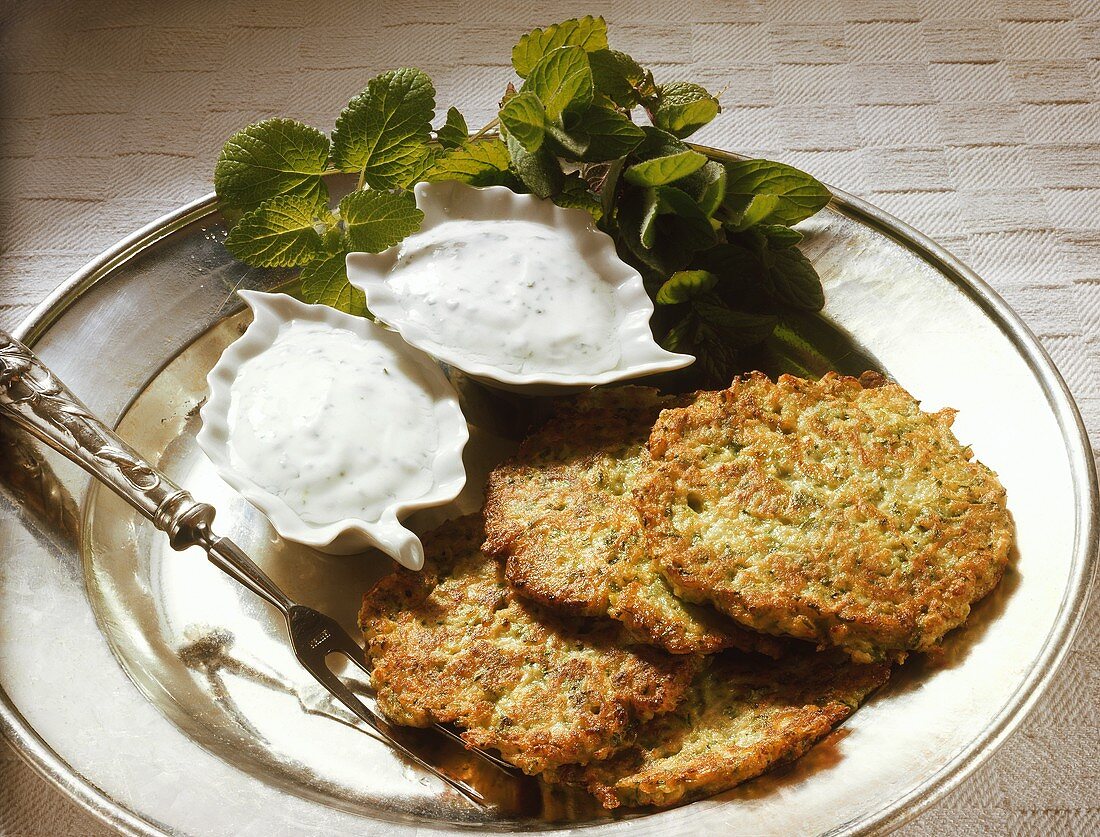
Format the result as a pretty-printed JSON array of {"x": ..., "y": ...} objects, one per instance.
[{"x": 35, "y": 400}]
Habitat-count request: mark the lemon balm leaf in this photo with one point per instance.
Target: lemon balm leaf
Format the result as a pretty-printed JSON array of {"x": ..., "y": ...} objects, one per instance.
[
  {"x": 454, "y": 131},
  {"x": 324, "y": 281},
  {"x": 286, "y": 231},
  {"x": 589, "y": 33},
  {"x": 382, "y": 133},
  {"x": 270, "y": 158},
  {"x": 525, "y": 119},
  {"x": 377, "y": 220},
  {"x": 478, "y": 163},
  {"x": 562, "y": 81}
]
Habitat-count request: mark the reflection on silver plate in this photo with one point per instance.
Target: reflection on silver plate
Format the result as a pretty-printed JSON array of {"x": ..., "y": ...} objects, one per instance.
[{"x": 223, "y": 734}]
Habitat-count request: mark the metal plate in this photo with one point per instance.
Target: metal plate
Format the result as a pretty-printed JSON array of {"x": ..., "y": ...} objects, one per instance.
[{"x": 223, "y": 735}]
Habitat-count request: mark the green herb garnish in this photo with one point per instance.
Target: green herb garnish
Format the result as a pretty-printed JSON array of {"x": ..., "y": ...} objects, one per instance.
[{"x": 713, "y": 240}]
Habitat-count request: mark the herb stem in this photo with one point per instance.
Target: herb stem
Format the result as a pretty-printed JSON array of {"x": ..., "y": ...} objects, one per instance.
[{"x": 493, "y": 123}]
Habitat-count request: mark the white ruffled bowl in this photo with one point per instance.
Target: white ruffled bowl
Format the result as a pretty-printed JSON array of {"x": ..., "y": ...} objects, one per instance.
[
  {"x": 639, "y": 354},
  {"x": 350, "y": 535}
]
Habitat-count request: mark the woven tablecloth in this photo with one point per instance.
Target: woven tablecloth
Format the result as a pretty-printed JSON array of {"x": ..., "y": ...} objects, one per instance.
[{"x": 976, "y": 121}]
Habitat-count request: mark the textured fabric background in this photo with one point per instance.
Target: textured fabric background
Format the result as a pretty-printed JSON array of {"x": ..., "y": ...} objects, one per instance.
[{"x": 976, "y": 121}]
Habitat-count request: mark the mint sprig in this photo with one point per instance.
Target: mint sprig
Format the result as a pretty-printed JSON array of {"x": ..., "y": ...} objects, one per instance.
[{"x": 712, "y": 239}]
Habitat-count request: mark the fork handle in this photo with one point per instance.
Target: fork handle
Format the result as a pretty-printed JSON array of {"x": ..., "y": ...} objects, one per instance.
[{"x": 35, "y": 400}]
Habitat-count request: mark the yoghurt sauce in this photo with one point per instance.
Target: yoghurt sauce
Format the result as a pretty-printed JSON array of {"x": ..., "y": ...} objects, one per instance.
[
  {"x": 336, "y": 426},
  {"x": 516, "y": 295}
]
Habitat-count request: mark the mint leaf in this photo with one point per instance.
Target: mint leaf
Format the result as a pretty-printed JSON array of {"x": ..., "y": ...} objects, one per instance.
[
  {"x": 735, "y": 328},
  {"x": 779, "y": 236},
  {"x": 759, "y": 209},
  {"x": 571, "y": 144},
  {"x": 562, "y": 80},
  {"x": 781, "y": 271},
  {"x": 478, "y": 163},
  {"x": 773, "y": 193},
  {"x": 647, "y": 230},
  {"x": 713, "y": 332},
  {"x": 681, "y": 336},
  {"x": 280, "y": 232},
  {"x": 655, "y": 231},
  {"x": 635, "y": 218},
  {"x": 383, "y": 131},
  {"x": 454, "y": 131},
  {"x": 575, "y": 194},
  {"x": 589, "y": 33},
  {"x": 684, "y": 285},
  {"x": 269, "y": 158},
  {"x": 325, "y": 282},
  {"x": 684, "y": 108},
  {"x": 693, "y": 230},
  {"x": 609, "y": 134},
  {"x": 539, "y": 171},
  {"x": 618, "y": 76},
  {"x": 792, "y": 279},
  {"x": 378, "y": 220},
  {"x": 525, "y": 119},
  {"x": 662, "y": 170},
  {"x": 658, "y": 143},
  {"x": 706, "y": 186}
]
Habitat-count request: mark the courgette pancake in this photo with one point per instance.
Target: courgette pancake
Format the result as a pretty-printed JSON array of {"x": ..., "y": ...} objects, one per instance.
[
  {"x": 452, "y": 643},
  {"x": 562, "y": 514},
  {"x": 834, "y": 511},
  {"x": 743, "y": 715}
]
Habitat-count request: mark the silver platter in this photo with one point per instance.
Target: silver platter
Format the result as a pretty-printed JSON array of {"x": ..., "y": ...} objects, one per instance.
[{"x": 164, "y": 701}]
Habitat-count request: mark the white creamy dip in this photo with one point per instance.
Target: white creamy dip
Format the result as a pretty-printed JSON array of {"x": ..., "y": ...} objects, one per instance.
[
  {"x": 514, "y": 294},
  {"x": 335, "y": 425}
]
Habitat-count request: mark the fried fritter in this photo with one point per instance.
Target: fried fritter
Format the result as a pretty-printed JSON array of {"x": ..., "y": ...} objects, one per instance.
[
  {"x": 743, "y": 716},
  {"x": 832, "y": 511},
  {"x": 561, "y": 512},
  {"x": 452, "y": 643}
]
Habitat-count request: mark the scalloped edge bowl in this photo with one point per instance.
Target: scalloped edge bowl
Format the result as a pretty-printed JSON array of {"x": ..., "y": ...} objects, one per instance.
[
  {"x": 448, "y": 201},
  {"x": 349, "y": 535}
]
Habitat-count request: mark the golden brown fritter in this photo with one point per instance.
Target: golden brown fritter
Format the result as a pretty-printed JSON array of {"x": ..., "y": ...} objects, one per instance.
[
  {"x": 829, "y": 511},
  {"x": 452, "y": 643},
  {"x": 743, "y": 716},
  {"x": 561, "y": 512}
]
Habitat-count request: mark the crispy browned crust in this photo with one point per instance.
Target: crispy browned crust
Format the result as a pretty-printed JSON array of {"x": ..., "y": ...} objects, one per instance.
[
  {"x": 743, "y": 716},
  {"x": 561, "y": 512},
  {"x": 829, "y": 511},
  {"x": 453, "y": 644}
]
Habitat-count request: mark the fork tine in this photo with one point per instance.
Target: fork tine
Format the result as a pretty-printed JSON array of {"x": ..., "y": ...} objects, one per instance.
[
  {"x": 496, "y": 761},
  {"x": 343, "y": 694},
  {"x": 339, "y": 641}
]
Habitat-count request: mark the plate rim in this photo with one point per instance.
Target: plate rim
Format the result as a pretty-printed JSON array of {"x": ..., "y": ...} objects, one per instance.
[{"x": 36, "y": 752}]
